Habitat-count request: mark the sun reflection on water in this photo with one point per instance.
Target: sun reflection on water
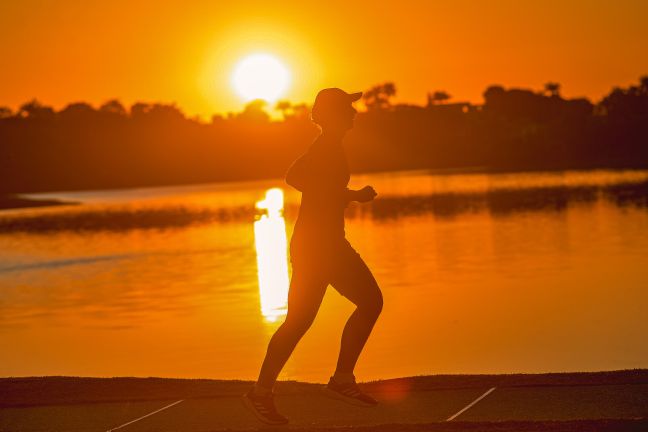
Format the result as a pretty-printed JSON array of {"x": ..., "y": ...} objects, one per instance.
[{"x": 272, "y": 260}]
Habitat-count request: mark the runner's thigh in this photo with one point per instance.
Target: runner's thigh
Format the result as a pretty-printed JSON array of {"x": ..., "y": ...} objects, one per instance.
[
  {"x": 354, "y": 280},
  {"x": 307, "y": 288}
]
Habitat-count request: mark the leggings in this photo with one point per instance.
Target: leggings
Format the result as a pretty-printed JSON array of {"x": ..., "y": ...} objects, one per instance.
[{"x": 343, "y": 268}]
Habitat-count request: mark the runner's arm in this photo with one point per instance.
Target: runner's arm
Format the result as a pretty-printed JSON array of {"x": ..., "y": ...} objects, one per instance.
[
  {"x": 309, "y": 174},
  {"x": 297, "y": 175}
]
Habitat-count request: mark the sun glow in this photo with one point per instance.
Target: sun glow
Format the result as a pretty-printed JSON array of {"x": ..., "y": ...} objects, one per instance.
[{"x": 260, "y": 76}]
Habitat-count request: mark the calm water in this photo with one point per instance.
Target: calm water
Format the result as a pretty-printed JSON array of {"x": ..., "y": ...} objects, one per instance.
[{"x": 480, "y": 274}]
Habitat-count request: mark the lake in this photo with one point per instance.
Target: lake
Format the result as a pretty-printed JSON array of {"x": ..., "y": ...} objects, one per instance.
[{"x": 481, "y": 273}]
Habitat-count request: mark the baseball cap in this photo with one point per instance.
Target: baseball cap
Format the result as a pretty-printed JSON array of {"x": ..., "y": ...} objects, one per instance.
[{"x": 333, "y": 98}]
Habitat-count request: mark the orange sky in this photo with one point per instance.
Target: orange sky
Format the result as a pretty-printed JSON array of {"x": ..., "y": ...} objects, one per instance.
[{"x": 183, "y": 51}]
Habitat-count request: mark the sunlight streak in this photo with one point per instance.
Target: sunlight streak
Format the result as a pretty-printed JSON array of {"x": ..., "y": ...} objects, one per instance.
[{"x": 272, "y": 260}]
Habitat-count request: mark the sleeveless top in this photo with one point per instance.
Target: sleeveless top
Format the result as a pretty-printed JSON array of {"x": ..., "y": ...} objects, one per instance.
[{"x": 322, "y": 175}]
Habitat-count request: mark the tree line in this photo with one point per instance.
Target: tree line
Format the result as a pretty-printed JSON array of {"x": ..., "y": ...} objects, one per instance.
[{"x": 83, "y": 147}]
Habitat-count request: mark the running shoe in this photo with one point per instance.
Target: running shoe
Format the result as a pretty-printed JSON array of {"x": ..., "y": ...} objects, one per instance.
[
  {"x": 263, "y": 408},
  {"x": 349, "y": 393}
]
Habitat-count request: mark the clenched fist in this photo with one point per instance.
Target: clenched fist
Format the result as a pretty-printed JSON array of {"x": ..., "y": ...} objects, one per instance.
[{"x": 366, "y": 194}]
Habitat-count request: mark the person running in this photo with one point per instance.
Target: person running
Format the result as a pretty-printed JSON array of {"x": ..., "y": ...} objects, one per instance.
[{"x": 321, "y": 255}]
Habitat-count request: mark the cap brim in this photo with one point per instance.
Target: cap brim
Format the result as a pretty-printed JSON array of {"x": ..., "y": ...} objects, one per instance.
[{"x": 355, "y": 96}]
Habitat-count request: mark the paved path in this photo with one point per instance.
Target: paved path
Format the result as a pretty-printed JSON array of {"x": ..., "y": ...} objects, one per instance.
[{"x": 418, "y": 403}]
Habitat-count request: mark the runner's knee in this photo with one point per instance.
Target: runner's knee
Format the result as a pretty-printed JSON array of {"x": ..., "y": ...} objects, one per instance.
[
  {"x": 373, "y": 305},
  {"x": 298, "y": 324}
]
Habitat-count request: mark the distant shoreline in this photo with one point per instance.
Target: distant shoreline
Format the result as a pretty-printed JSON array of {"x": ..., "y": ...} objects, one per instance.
[
  {"x": 14, "y": 200},
  {"x": 8, "y": 202}
]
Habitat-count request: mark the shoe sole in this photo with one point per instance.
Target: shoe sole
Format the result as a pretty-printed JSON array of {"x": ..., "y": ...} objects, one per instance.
[
  {"x": 248, "y": 404},
  {"x": 352, "y": 401}
]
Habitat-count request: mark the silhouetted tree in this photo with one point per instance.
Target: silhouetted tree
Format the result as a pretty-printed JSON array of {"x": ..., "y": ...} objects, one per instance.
[
  {"x": 139, "y": 109},
  {"x": 79, "y": 147},
  {"x": 292, "y": 111},
  {"x": 35, "y": 110},
  {"x": 164, "y": 112},
  {"x": 300, "y": 111},
  {"x": 254, "y": 111},
  {"x": 643, "y": 84},
  {"x": 77, "y": 110},
  {"x": 438, "y": 96},
  {"x": 493, "y": 93},
  {"x": 285, "y": 107},
  {"x": 627, "y": 105},
  {"x": 552, "y": 88},
  {"x": 5, "y": 112},
  {"x": 378, "y": 96},
  {"x": 217, "y": 119},
  {"x": 113, "y": 107}
]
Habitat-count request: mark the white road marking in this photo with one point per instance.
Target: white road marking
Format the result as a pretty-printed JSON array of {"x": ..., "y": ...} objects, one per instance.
[
  {"x": 147, "y": 415},
  {"x": 470, "y": 405}
]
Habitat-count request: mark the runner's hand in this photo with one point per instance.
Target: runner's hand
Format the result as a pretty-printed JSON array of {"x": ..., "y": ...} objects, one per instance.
[{"x": 366, "y": 194}]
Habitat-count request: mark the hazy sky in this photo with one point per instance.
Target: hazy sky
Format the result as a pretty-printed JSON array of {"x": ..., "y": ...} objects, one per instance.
[{"x": 184, "y": 51}]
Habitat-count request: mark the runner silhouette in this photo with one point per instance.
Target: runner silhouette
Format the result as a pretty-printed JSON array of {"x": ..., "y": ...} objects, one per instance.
[{"x": 321, "y": 255}]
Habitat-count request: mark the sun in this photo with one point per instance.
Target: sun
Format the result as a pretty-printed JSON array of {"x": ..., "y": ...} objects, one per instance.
[{"x": 260, "y": 76}]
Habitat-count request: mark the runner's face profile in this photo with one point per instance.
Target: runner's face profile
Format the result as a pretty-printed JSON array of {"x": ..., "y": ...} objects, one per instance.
[{"x": 341, "y": 119}]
